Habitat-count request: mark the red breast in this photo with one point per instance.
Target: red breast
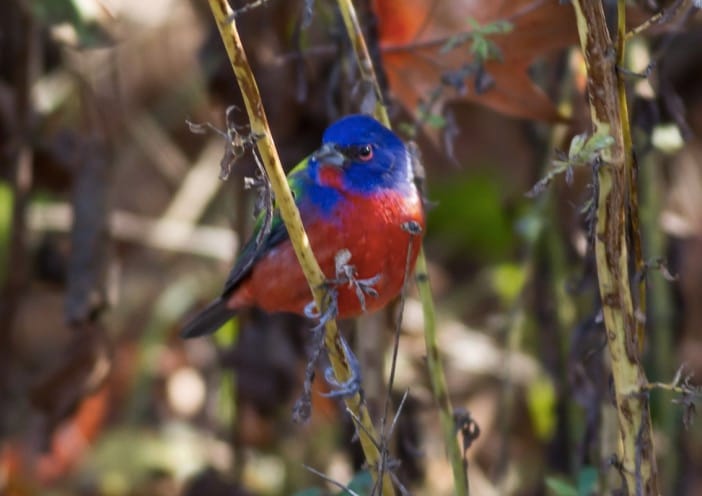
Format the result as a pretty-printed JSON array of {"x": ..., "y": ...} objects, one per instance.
[{"x": 372, "y": 228}]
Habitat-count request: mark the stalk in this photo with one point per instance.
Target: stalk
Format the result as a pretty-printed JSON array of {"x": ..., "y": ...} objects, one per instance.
[
  {"x": 434, "y": 366},
  {"x": 609, "y": 115}
]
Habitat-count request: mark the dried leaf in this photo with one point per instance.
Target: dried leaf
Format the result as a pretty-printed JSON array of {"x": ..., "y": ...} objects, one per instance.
[{"x": 422, "y": 40}]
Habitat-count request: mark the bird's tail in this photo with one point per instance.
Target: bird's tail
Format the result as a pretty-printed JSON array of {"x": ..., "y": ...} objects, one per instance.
[{"x": 209, "y": 320}]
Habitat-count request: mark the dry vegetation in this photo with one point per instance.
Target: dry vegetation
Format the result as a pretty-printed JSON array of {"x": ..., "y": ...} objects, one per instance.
[{"x": 115, "y": 228}]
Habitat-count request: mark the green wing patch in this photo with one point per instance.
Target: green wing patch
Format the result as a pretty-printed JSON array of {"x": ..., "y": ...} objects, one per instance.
[{"x": 260, "y": 242}]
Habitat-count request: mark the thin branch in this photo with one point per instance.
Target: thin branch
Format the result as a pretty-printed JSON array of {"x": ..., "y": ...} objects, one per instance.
[
  {"x": 226, "y": 23},
  {"x": 363, "y": 58},
  {"x": 631, "y": 167},
  {"x": 661, "y": 17},
  {"x": 330, "y": 480},
  {"x": 398, "y": 330},
  {"x": 359, "y": 426},
  {"x": 436, "y": 372},
  {"x": 396, "y": 346},
  {"x": 673, "y": 388}
]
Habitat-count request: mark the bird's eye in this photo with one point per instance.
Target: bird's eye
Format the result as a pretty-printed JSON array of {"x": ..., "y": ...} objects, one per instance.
[{"x": 365, "y": 152}]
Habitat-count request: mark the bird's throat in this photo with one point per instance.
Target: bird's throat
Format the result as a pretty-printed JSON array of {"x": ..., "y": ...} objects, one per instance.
[{"x": 331, "y": 176}]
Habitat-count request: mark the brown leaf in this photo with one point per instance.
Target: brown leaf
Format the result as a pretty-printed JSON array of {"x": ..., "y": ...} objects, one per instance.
[{"x": 413, "y": 32}]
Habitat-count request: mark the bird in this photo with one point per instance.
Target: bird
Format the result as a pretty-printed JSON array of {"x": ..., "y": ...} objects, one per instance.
[{"x": 363, "y": 212}]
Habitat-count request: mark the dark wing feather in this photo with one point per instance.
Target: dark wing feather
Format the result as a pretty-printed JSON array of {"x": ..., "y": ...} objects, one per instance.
[
  {"x": 257, "y": 247},
  {"x": 252, "y": 252},
  {"x": 214, "y": 316},
  {"x": 217, "y": 313}
]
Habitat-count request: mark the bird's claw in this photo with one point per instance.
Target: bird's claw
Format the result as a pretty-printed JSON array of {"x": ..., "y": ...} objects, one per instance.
[
  {"x": 346, "y": 275},
  {"x": 303, "y": 406},
  {"x": 331, "y": 311},
  {"x": 352, "y": 385},
  {"x": 311, "y": 311}
]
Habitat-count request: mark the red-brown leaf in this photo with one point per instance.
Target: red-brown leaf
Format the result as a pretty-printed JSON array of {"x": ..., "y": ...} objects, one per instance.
[{"x": 411, "y": 34}]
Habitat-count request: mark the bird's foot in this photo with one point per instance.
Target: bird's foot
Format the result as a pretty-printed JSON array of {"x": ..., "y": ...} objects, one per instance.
[
  {"x": 350, "y": 386},
  {"x": 346, "y": 275},
  {"x": 303, "y": 407},
  {"x": 330, "y": 312}
]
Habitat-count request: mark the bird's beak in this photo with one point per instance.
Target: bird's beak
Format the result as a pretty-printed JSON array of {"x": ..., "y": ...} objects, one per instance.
[{"x": 329, "y": 154}]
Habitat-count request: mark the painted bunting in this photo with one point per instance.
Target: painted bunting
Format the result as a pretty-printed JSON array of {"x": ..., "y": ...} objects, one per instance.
[{"x": 357, "y": 197}]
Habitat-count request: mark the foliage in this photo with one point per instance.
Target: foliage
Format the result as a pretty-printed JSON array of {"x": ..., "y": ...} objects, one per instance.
[{"x": 93, "y": 109}]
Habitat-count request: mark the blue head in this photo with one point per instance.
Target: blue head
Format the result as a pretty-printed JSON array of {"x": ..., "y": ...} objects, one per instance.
[{"x": 368, "y": 155}]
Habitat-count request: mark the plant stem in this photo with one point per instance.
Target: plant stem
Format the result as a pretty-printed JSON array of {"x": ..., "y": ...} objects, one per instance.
[
  {"x": 363, "y": 58},
  {"x": 435, "y": 369},
  {"x": 608, "y": 114},
  {"x": 632, "y": 171},
  {"x": 660, "y": 315},
  {"x": 438, "y": 380},
  {"x": 226, "y": 23}
]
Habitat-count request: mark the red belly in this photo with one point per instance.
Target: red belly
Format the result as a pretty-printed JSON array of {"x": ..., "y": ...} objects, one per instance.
[{"x": 370, "y": 228}]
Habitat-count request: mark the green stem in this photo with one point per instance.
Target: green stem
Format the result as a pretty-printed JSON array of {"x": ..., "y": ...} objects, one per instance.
[
  {"x": 632, "y": 171},
  {"x": 436, "y": 372},
  {"x": 363, "y": 58},
  {"x": 660, "y": 315},
  {"x": 438, "y": 380}
]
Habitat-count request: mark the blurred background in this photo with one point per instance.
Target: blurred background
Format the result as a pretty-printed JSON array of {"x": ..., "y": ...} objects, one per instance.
[{"x": 115, "y": 228}]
